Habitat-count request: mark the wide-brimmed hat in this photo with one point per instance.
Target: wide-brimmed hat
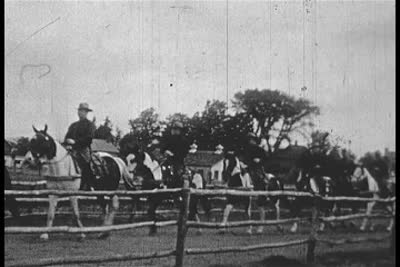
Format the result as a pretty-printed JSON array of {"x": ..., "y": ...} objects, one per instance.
[
  {"x": 177, "y": 125},
  {"x": 84, "y": 106}
]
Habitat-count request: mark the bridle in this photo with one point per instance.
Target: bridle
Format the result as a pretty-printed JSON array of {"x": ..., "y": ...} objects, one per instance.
[
  {"x": 361, "y": 176},
  {"x": 37, "y": 156}
]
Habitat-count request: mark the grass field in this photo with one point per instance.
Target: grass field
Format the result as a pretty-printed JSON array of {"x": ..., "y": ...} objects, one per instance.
[{"x": 29, "y": 247}]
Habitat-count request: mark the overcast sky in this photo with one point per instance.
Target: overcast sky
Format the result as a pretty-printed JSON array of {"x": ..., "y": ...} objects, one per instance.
[{"x": 118, "y": 56}]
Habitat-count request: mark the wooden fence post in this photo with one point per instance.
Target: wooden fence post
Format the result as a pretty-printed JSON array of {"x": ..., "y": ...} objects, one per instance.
[
  {"x": 393, "y": 237},
  {"x": 313, "y": 233},
  {"x": 182, "y": 224}
]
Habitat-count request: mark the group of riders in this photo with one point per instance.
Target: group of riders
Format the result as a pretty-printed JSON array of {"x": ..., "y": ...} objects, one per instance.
[
  {"x": 171, "y": 150},
  {"x": 314, "y": 172}
]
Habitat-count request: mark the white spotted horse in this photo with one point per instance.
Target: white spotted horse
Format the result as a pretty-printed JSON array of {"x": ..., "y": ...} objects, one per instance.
[
  {"x": 372, "y": 183},
  {"x": 232, "y": 176},
  {"x": 146, "y": 173},
  {"x": 62, "y": 173}
]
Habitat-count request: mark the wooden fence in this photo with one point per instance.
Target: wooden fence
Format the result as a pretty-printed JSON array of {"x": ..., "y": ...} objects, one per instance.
[{"x": 183, "y": 225}]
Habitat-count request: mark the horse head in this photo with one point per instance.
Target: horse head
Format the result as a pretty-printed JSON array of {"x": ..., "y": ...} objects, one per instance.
[
  {"x": 273, "y": 182},
  {"x": 359, "y": 179},
  {"x": 42, "y": 145}
]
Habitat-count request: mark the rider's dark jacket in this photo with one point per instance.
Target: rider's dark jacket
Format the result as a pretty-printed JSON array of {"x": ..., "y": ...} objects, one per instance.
[
  {"x": 252, "y": 152},
  {"x": 256, "y": 170},
  {"x": 178, "y": 145},
  {"x": 82, "y": 132}
]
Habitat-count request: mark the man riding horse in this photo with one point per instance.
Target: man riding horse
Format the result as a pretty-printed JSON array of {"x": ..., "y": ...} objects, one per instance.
[
  {"x": 175, "y": 147},
  {"x": 79, "y": 137}
]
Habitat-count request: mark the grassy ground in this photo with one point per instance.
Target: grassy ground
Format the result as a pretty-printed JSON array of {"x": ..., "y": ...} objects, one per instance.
[
  {"x": 29, "y": 247},
  {"x": 25, "y": 247}
]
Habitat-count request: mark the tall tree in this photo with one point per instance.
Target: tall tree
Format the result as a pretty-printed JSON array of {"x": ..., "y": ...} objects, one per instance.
[
  {"x": 276, "y": 115},
  {"x": 207, "y": 126},
  {"x": 320, "y": 139},
  {"x": 118, "y": 136},
  {"x": 104, "y": 131},
  {"x": 234, "y": 131},
  {"x": 22, "y": 146},
  {"x": 94, "y": 121},
  {"x": 146, "y": 126}
]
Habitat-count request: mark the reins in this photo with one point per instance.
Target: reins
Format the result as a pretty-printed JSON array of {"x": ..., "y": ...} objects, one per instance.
[{"x": 58, "y": 161}]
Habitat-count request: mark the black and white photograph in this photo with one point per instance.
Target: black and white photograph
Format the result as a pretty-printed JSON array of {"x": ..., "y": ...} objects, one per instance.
[{"x": 221, "y": 133}]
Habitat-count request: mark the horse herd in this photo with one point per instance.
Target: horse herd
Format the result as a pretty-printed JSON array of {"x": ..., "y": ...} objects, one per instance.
[{"x": 139, "y": 170}]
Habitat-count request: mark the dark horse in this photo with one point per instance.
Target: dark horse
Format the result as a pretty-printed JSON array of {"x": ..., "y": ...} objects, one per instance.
[
  {"x": 237, "y": 175},
  {"x": 147, "y": 173},
  {"x": 333, "y": 174},
  {"x": 10, "y": 202},
  {"x": 61, "y": 173},
  {"x": 324, "y": 174}
]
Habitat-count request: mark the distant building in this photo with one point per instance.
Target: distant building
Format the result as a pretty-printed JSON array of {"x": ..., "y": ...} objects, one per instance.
[
  {"x": 209, "y": 163},
  {"x": 99, "y": 145}
]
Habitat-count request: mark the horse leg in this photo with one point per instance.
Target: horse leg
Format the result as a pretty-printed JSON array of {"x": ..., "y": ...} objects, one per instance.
[
  {"x": 205, "y": 203},
  {"x": 261, "y": 211},
  {"x": 333, "y": 212},
  {"x": 277, "y": 206},
  {"x": 248, "y": 212},
  {"x": 193, "y": 212},
  {"x": 134, "y": 207},
  {"x": 295, "y": 210},
  {"x": 109, "y": 218},
  {"x": 325, "y": 212},
  {"x": 391, "y": 209},
  {"x": 50, "y": 215},
  {"x": 104, "y": 206},
  {"x": 113, "y": 210},
  {"x": 198, "y": 220},
  {"x": 370, "y": 206},
  {"x": 153, "y": 204},
  {"x": 227, "y": 211},
  {"x": 322, "y": 223},
  {"x": 75, "y": 211}
]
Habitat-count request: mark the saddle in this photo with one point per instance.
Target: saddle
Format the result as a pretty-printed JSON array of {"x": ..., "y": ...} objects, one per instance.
[{"x": 98, "y": 166}]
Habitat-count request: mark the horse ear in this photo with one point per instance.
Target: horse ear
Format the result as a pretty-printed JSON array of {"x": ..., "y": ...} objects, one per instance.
[
  {"x": 34, "y": 129},
  {"x": 45, "y": 128}
]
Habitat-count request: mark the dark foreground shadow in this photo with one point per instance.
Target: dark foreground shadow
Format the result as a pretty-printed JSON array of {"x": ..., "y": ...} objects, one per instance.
[{"x": 370, "y": 258}]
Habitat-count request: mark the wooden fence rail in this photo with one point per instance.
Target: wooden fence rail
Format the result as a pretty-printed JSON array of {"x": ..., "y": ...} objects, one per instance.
[
  {"x": 197, "y": 251},
  {"x": 64, "y": 193},
  {"x": 231, "y": 192},
  {"x": 75, "y": 230},
  {"x": 353, "y": 240},
  {"x": 353, "y": 217},
  {"x": 183, "y": 224},
  {"x": 242, "y": 223}
]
